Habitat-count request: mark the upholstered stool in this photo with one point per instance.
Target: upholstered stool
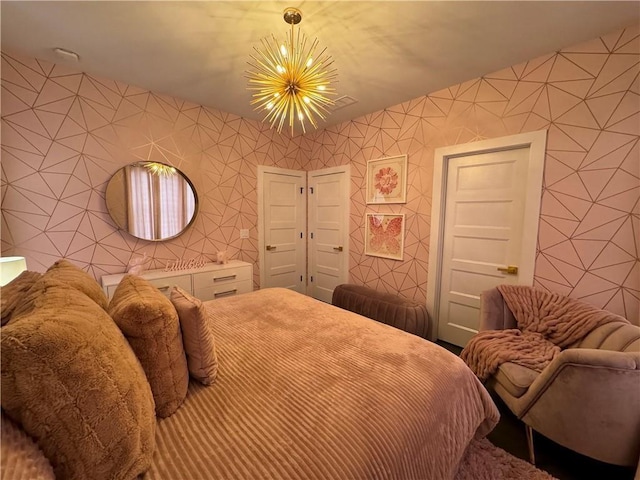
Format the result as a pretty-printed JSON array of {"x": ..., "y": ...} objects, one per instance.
[{"x": 402, "y": 313}]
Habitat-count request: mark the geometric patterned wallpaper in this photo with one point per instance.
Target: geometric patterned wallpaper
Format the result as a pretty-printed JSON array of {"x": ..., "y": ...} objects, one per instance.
[
  {"x": 64, "y": 133},
  {"x": 588, "y": 97}
]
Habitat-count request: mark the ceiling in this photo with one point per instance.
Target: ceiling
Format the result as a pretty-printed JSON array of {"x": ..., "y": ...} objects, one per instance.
[{"x": 385, "y": 52}]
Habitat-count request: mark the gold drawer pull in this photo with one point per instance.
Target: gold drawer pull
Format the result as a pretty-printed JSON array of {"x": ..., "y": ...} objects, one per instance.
[
  {"x": 270, "y": 247},
  {"x": 165, "y": 287},
  {"x": 228, "y": 277},
  {"x": 228, "y": 292},
  {"x": 339, "y": 249},
  {"x": 510, "y": 270}
]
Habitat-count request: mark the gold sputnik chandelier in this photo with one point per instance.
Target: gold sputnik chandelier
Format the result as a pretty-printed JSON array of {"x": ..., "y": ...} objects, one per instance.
[
  {"x": 289, "y": 80},
  {"x": 160, "y": 169}
]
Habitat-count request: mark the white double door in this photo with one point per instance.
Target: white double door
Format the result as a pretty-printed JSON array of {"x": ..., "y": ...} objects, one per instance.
[{"x": 303, "y": 217}]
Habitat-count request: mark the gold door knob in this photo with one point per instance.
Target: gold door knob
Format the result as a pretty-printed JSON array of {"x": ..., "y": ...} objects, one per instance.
[
  {"x": 339, "y": 249},
  {"x": 510, "y": 270},
  {"x": 270, "y": 247}
]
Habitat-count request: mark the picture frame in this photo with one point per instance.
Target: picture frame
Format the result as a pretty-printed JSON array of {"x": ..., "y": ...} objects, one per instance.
[
  {"x": 384, "y": 235},
  {"x": 387, "y": 180}
]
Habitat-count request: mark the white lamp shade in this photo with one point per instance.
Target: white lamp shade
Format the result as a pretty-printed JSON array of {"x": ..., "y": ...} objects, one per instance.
[{"x": 10, "y": 268}]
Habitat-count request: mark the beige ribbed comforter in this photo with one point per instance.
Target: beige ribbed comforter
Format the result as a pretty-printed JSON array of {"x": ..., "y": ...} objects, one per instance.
[{"x": 309, "y": 391}]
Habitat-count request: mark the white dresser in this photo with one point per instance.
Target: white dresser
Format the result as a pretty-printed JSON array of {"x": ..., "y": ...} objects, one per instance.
[{"x": 207, "y": 283}]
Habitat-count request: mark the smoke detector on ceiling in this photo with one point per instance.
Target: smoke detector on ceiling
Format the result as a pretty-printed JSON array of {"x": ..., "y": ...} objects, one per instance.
[
  {"x": 66, "y": 55},
  {"x": 342, "y": 102}
]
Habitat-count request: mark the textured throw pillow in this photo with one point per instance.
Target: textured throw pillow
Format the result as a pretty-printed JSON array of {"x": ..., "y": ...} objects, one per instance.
[
  {"x": 71, "y": 380},
  {"x": 66, "y": 272},
  {"x": 150, "y": 322},
  {"x": 12, "y": 294},
  {"x": 197, "y": 338}
]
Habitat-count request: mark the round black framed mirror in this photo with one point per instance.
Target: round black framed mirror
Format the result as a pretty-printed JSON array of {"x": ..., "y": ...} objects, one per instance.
[{"x": 151, "y": 200}]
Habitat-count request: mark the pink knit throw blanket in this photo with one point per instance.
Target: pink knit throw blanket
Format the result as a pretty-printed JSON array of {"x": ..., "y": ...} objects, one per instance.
[{"x": 547, "y": 323}]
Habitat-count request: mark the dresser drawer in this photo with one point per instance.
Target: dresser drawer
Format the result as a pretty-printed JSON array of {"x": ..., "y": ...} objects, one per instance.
[
  {"x": 221, "y": 278},
  {"x": 214, "y": 292},
  {"x": 165, "y": 284},
  {"x": 110, "y": 290}
]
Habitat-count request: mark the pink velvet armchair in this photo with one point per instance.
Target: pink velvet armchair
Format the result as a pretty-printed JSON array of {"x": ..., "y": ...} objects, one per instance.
[{"x": 587, "y": 399}]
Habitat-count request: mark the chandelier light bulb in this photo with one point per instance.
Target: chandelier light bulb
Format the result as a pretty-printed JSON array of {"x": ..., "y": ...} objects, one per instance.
[
  {"x": 160, "y": 169},
  {"x": 290, "y": 79}
]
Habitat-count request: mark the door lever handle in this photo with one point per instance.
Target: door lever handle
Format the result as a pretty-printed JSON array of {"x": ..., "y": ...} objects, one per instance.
[
  {"x": 270, "y": 247},
  {"x": 339, "y": 249},
  {"x": 510, "y": 270}
]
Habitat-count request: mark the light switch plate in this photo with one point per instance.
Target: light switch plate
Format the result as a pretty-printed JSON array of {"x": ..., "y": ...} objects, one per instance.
[{"x": 244, "y": 233}]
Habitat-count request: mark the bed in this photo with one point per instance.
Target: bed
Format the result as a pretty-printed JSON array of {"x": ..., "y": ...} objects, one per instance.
[
  {"x": 307, "y": 390},
  {"x": 304, "y": 390}
]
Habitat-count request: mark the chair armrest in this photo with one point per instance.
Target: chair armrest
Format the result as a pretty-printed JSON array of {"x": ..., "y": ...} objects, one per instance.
[
  {"x": 494, "y": 312},
  {"x": 587, "y": 400},
  {"x": 581, "y": 357},
  {"x": 599, "y": 358}
]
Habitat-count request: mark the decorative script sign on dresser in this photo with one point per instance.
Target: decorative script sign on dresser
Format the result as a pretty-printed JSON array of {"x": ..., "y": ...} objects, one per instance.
[{"x": 206, "y": 283}]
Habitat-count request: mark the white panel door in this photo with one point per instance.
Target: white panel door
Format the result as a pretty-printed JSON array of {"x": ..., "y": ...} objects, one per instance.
[
  {"x": 482, "y": 234},
  {"x": 283, "y": 242},
  {"x": 484, "y": 226},
  {"x": 328, "y": 231}
]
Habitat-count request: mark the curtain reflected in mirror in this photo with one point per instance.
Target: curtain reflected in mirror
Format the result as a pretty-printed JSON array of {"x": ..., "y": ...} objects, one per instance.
[{"x": 151, "y": 200}]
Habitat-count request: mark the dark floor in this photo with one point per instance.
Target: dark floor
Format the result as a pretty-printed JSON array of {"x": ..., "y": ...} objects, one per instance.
[{"x": 560, "y": 462}]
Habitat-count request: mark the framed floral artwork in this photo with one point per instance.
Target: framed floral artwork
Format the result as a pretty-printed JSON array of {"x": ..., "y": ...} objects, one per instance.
[
  {"x": 387, "y": 180},
  {"x": 384, "y": 235}
]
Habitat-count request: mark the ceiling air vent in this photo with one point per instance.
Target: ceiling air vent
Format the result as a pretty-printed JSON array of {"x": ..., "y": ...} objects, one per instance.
[{"x": 342, "y": 102}]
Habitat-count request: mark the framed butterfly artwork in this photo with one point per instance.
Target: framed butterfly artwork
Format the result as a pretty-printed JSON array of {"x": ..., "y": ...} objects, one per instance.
[
  {"x": 387, "y": 180},
  {"x": 384, "y": 235}
]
